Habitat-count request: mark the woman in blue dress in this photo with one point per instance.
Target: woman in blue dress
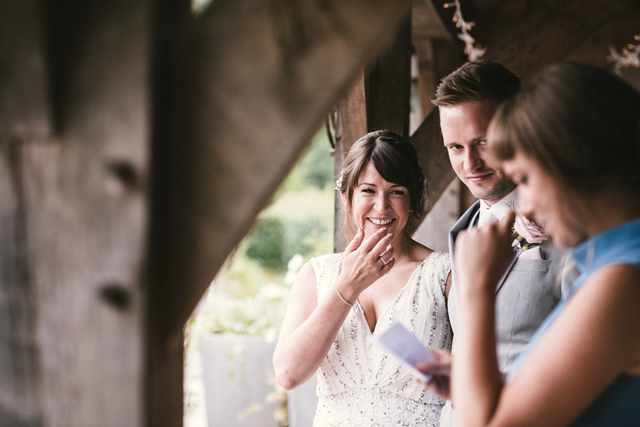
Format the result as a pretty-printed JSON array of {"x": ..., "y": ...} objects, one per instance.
[{"x": 571, "y": 141}]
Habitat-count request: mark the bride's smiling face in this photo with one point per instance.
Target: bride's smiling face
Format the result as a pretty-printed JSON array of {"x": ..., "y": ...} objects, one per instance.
[{"x": 379, "y": 204}]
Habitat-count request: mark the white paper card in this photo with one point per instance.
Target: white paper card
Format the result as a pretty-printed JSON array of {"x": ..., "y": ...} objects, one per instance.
[{"x": 399, "y": 342}]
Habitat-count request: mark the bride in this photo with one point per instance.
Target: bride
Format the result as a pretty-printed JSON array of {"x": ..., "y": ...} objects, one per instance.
[{"x": 340, "y": 301}]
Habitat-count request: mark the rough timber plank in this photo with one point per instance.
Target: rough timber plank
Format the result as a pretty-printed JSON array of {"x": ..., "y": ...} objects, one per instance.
[
  {"x": 24, "y": 82},
  {"x": 550, "y": 31},
  {"x": 23, "y": 112},
  {"x": 379, "y": 99},
  {"x": 351, "y": 125},
  {"x": 246, "y": 85},
  {"x": 388, "y": 84},
  {"x": 73, "y": 215},
  {"x": 254, "y": 81}
]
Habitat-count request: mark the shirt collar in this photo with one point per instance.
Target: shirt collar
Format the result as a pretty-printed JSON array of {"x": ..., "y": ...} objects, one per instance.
[{"x": 500, "y": 208}]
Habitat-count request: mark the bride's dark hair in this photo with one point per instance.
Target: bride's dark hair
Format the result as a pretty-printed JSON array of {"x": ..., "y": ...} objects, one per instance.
[{"x": 396, "y": 161}]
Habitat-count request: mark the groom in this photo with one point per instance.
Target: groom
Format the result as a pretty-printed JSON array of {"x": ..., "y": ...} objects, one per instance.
[{"x": 467, "y": 100}]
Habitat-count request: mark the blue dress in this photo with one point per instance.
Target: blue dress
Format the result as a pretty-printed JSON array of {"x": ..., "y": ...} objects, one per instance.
[{"x": 618, "y": 405}]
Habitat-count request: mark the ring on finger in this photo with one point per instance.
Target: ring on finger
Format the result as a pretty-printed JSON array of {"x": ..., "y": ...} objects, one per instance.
[{"x": 383, "y": 261}]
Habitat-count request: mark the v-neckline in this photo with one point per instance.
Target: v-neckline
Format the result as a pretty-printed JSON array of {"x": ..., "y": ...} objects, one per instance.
[{"x": 360, "y": 310}]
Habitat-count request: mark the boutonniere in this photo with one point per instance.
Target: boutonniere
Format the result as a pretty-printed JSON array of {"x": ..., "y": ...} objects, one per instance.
[{"x": 526, "y": 232}]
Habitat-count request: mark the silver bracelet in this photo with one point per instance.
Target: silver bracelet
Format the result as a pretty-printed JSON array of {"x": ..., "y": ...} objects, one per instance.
[{"x": 341, "y": 297}]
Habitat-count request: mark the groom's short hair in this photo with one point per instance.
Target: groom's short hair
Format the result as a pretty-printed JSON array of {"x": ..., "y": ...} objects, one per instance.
[{"x": 477, "y": 81}]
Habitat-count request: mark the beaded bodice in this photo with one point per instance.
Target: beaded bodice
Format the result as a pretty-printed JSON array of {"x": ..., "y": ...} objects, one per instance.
[{"x": 359, "y": 382}]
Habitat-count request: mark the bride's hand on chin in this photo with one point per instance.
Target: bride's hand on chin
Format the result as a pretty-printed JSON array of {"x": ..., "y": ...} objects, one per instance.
[{"x": 366, "y": 260}]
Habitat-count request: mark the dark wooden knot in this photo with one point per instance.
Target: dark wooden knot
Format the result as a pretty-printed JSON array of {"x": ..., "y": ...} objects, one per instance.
[
  {"x": 116, "y": 295},
  {"x": 125, "y": 172}
]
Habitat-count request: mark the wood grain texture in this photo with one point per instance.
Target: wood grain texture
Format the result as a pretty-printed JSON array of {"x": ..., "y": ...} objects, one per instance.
[
  {"x": 549, "y": 32},
  {"x": 351, "y": 125},
  {"x": 24, "y": 80},
  {"x": 24, "y": 76},
  {"x": 388, "y": 84},
  {"x": 240, "y": 91},
  {"x": 74, "y": 210},
  {"x": 105, "y": 251},
  {"x": 18, "y": 342},
  {"x": 252, "y": 81}
]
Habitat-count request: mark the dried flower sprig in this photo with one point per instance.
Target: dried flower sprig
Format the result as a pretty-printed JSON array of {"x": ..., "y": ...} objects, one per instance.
[
  {"x": 630, "y": 55},
  {"x": 470, "y": 50}
]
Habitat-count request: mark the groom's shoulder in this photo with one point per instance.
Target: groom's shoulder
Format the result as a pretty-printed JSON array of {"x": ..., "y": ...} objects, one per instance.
[{"x": 463, "y": 221}]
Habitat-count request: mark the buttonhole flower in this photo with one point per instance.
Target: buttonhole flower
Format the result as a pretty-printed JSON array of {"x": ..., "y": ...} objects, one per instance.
[{"x": 528, "y": 233}]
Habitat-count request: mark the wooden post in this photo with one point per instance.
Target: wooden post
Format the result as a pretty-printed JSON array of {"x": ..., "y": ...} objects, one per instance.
[
  {"x": 170, "y": 133},
  {"x": 379, "y": 99},
  {"x": 74, "y": 208},
  {"x": 243, "y": 94},
  {"x": 351, "y": 124},
  {"x": 388, "y": 84}
]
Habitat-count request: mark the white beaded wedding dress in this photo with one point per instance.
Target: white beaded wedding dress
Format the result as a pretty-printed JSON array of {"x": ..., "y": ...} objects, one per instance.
[{"x": 358, "y": 383}]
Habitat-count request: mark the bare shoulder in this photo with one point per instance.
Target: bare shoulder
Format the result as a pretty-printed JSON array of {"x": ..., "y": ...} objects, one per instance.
[
  {"x": 617, "y": 285},
  {"x": 306, "y": 277},
  {"x": 420, "y": 252},
  {"x": 608, "y": 307}
]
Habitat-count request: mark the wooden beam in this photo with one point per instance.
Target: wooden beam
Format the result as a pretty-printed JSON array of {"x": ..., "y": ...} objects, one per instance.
[
  {"x": 351, "y": 124},
  {"x": 388, "y": 84},
  {"x": 74, "y": 207},
  {"x": 445, "y": 15},
  {"x": 24, "y": 100},
  {"x": 547, "y": 34},
  {"x": 436, "y": 58},
  {"x": 244, "y": 88},
  {"x": 248, "y": 92},
  {"x": 427, "y": 22},
  {"x": 24, "y": 116},
  {"x": 379, "y": 99}
]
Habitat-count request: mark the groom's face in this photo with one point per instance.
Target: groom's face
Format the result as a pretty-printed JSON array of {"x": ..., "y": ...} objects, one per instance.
[{"x": 464, "y": 129}]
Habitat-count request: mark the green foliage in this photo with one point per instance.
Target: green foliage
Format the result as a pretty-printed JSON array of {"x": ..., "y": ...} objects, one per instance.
[
  {"x": 244, "y": 276},
  {"x": 314, "y": 169},
  {"x": 259, "y": 315},
  {"x": 278, "y": 236},
  {"x": 300, "y": 217},
  {"x": 250, "y": 293},
  {"x": 317, "y": 163},
  {"x": 266, "y": 243},
  {"x": 299, "y": 220}
]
